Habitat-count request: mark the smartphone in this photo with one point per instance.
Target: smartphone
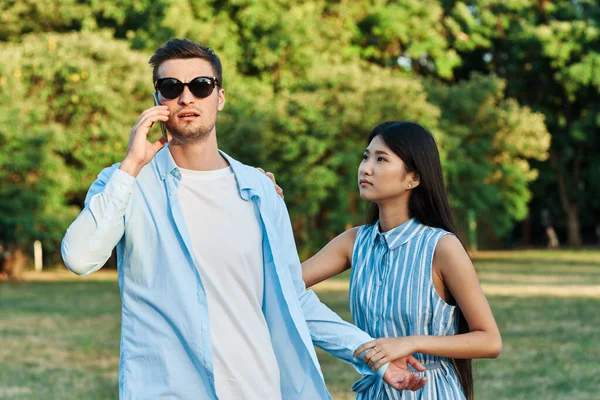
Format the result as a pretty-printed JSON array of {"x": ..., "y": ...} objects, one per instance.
[{"x": 163, "y": 128}]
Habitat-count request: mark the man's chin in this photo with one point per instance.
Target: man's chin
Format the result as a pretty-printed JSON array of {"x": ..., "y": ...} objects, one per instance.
[{"x": 182, "y": 136}]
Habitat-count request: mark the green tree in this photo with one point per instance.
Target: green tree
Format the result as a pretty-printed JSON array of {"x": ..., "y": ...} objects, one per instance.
[
  {"x": 548, "y": 53},
  {"x": 68, "y": 103},
  {"x": 489, "y": 143},
  {"x": 315, "y": 135}
]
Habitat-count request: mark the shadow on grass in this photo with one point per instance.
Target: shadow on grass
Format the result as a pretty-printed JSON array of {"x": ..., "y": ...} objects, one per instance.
[
  {"x": 538, "y": 261},
  {"x": 77, "y": 299}
]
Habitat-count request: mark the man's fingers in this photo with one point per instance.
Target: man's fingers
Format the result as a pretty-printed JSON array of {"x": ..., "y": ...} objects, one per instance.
[
  {"x": 413, "y": 362},
  {"x": 144, "y": 125},
  {"x": 412, "y": 382},
  {"x": 415, "y": 383},
  {"x": 261, "y": 170},
  {"x": 159, "y": 144},
  {"x": 153, "y": 110},
  {"x": 400, "y": 385},
  {"x": 421, "y": 383}
]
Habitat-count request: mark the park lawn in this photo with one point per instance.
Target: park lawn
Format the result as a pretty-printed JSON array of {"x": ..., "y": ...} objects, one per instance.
[{"x": 59, "y": 334}]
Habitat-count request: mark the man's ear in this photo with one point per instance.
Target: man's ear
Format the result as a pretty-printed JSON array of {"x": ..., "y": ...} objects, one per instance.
[{"x": 221, "y": 100}]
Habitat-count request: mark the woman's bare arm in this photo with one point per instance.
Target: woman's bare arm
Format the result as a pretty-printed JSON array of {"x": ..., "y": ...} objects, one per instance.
[
  {"x": 331, "y": 260},
  {"x": 454, "y": 271}
]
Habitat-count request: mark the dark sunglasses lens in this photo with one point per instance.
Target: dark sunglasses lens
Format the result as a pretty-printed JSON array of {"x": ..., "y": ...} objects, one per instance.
[
  {"x": 201, "y": 87},
  {"x": 170, "y": 88}
]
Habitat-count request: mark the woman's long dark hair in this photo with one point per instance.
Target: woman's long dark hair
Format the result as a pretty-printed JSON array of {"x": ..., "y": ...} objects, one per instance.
[{"x": 428, "y": 202}]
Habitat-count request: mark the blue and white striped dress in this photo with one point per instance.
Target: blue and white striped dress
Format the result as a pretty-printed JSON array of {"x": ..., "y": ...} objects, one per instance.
[{"x": 392, "y": 294}]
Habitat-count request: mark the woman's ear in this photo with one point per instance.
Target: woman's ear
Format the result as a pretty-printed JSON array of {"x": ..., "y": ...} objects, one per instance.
[{"x": 414, "y": 180}]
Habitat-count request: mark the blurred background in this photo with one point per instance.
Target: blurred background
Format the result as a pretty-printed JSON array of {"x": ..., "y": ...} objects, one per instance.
[{"x": 510, "y": 89}]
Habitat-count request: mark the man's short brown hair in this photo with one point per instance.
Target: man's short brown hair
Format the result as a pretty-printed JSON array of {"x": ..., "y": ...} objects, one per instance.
[{"x": 181, "y": 49}]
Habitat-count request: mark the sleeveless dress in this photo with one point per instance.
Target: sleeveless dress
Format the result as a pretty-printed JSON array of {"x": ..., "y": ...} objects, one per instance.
[{"x": 392, "y": 294}]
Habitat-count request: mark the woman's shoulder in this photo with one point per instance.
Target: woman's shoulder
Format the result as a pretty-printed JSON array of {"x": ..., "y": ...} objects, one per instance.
[
  {"x": 363, "y": 231},
  {"x": 432, "y": 231}
]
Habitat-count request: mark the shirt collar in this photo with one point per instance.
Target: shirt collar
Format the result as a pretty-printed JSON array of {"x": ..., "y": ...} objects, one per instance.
[
  {"x": 399, "y": 235},
  {"x": 166, "y": 165}
]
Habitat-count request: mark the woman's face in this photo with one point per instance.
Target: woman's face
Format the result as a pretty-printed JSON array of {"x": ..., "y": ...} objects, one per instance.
[{"x": 382, "y": 174}]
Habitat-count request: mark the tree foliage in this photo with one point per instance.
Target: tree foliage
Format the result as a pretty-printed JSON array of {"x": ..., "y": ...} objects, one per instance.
[
  {"x": 548, "y": 54},
  {"x": 305, "y": 81}
]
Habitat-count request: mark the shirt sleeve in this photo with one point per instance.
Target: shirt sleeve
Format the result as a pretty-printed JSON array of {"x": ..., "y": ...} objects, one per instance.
[
  {"x": 89, "y": 241},
  {"x": 328, "y": 331}
]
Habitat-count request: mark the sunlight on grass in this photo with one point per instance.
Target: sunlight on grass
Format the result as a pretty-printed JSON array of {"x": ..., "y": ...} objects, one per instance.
[{"x": 59, "y": 333}]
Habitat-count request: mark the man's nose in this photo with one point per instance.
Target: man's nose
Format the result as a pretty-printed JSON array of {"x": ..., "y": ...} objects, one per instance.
[{"x": 186, "y": 96}]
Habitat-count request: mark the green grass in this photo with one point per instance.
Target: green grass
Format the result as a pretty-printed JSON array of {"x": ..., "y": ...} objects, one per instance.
[{"x": 60, "y": 340}]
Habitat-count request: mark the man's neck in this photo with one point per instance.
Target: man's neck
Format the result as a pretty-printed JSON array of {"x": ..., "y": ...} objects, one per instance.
[{"x": 200, "y": 156}]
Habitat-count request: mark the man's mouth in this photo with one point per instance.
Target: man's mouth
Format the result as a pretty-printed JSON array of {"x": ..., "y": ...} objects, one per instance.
[{"x": 188, "y": 115}]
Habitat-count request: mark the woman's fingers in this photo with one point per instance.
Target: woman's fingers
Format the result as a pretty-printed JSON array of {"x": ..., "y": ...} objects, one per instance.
[
  {"x": 384, "y": 360},
  {"x": 373, "y": 357},
  {"x": 279, "y": 191},
  {"x": 365, "y": 347},
  {"x": 278, "y": 188}
]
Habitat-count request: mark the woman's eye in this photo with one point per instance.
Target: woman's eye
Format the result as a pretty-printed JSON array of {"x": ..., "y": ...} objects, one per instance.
[
  {"x": 380, "y": 159},
  {"x": 365, "y": 157}
]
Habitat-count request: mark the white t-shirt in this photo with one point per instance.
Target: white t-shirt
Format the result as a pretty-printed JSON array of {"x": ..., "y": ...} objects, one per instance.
[{"x": 227, "y": 242}]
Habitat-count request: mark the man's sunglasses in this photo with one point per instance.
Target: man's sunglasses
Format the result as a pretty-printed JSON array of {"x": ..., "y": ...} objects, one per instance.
[{"x": 201, "y": 87}]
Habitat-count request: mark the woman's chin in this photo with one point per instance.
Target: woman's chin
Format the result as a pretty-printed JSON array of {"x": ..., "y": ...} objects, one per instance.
[{"x": 365, "y": 196}]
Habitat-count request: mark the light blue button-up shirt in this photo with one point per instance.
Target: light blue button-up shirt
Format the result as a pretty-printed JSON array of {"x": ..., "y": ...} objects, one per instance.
[{"x": 166, "y": 348}]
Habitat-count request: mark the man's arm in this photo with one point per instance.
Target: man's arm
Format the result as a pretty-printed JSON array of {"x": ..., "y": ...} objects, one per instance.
[
  {"x": 90, "y": 239},
  {"x": 328, "y": 331},
  {"x": 97, "y": 230}
]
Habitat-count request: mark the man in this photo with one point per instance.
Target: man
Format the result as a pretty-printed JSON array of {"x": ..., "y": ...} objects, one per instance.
[{"x": 213, "y": 302}]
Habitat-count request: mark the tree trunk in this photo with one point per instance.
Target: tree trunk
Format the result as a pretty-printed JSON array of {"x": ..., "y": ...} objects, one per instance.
[
  {"x": 569, "y": 207},
  {"x": 14, "y": 264},
  {"x": 526, "y": 231},
  {"x": 573, "y": 227}
]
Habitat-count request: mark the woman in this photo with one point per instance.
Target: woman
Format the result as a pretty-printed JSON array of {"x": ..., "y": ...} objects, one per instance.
[{"x": 412, "y": 283}]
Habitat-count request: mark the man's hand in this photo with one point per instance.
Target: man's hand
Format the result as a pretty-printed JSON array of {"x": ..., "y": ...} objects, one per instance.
[
  {"x": 398, "y": 376},
  {"x": 141, "y": 151},
  {"x": 278, "y": 189},
  {"x": 385, "y": 350},
  {"x": 398, "y": 352}
]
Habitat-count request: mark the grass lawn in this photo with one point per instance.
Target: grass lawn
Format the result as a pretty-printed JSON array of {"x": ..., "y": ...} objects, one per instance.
[{"x": 59, "y": 334}]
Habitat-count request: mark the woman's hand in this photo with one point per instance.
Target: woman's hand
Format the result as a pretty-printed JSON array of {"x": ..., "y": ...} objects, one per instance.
[
  {"x": 278, "y": 189},
  {"x": 385, "y": 350}
]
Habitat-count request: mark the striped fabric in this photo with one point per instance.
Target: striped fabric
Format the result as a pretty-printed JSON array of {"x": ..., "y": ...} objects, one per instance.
[{"x": 392, "y": 294}]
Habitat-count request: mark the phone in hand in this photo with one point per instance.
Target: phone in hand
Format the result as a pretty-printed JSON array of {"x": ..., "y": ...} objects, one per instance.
[{"x": 163, "y": 127}]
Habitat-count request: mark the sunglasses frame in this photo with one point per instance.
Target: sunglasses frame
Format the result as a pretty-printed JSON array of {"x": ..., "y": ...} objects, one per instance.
[{"x": 214, "y": 81}]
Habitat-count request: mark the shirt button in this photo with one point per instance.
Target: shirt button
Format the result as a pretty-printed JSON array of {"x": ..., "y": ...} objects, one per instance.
[
  {"x": 206, "y": 366},
  {"x": 377, "y": 318},
  {"x": 204, "y": 328},
  {"x": 378, "y": 283},
  {"x": 171, "y": 193},
  {"x": 108, "y": 217},
  {"x": 123, "y": 188}
]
